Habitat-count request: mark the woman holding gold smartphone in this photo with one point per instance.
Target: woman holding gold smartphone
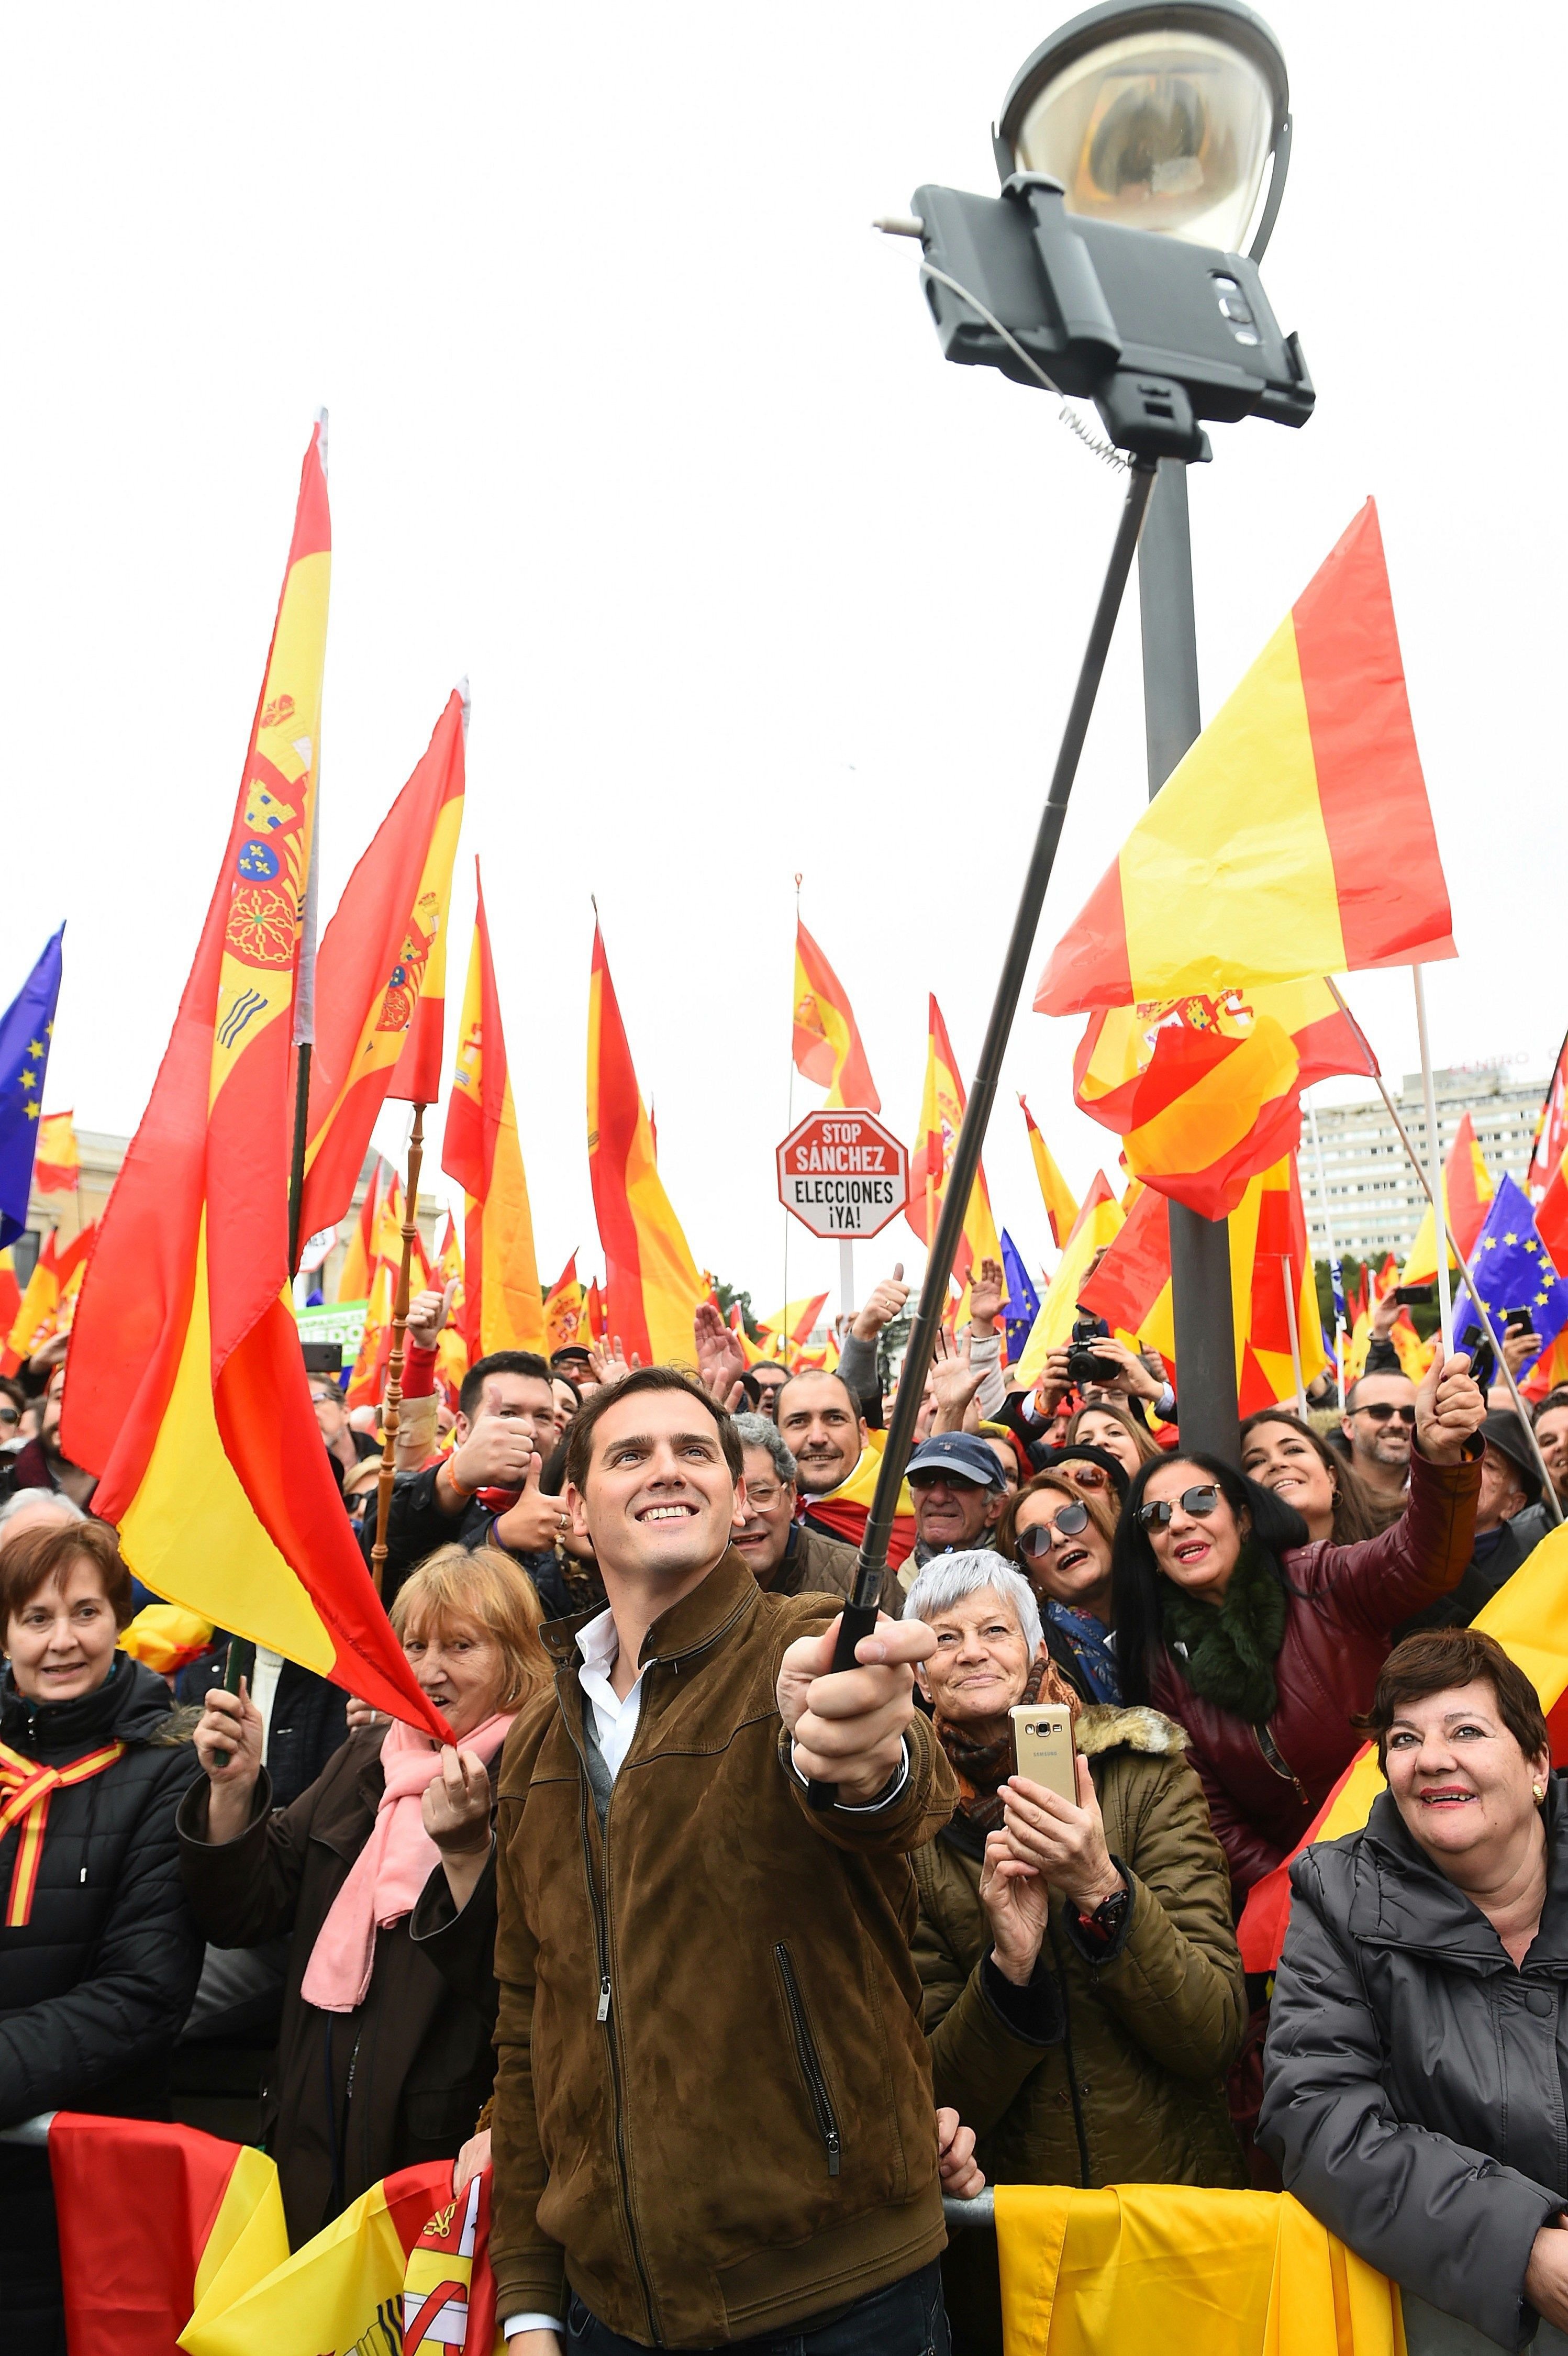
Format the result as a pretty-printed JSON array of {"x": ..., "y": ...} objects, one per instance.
[{"x": 1083, "y": 1995}]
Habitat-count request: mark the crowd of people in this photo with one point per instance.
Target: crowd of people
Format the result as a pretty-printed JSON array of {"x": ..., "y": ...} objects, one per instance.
[{"x": 731, "y": 1964}]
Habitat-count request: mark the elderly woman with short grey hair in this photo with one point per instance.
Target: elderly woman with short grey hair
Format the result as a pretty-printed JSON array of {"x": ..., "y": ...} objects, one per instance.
[
  {"x": 1083, "y": 1994},
  {"x": 785, "y": 1557}
]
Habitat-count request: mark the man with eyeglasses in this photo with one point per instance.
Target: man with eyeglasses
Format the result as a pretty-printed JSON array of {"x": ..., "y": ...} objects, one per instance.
[{"x": 1379, "y": 1422}]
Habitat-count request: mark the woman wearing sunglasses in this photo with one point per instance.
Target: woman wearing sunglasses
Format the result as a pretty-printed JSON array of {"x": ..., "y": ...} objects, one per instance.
[
  {"x": 1083, "y": 1994},
  {"x": 1060, "y": 1534},
  {"x": 1265, "y": 1642}
]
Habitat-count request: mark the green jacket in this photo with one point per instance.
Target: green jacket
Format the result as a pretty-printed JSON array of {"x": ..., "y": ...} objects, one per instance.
[{"x": 1152, "y": 2021}]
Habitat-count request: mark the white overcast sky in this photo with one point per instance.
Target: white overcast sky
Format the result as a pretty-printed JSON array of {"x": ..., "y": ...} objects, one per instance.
[{"x": 635, "y": 421}]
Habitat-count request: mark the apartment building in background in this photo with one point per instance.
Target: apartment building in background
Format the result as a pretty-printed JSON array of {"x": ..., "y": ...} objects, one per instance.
[{"x": 1375, "y": 1200}]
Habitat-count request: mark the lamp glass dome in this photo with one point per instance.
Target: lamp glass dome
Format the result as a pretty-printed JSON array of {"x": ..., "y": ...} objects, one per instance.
[{"x": 1159, "y": 130}]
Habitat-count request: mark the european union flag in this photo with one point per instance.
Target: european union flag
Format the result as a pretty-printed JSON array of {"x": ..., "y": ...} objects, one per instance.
[
  {"x": 1514, "y": 1271},
  {"x": 27, "y": 1028},
  {"x": 1023, "y": 1301}
]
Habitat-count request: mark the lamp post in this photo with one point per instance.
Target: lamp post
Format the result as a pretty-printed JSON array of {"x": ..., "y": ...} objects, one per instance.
[{"x": 1164, "y": 114}]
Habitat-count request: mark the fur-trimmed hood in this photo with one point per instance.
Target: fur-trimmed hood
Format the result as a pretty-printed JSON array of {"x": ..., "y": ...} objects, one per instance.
[{"x": 1107, "y": 1726}]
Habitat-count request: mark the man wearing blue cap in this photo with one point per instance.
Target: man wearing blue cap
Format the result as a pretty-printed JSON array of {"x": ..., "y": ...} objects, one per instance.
[{"x": 956, "y": 1483}]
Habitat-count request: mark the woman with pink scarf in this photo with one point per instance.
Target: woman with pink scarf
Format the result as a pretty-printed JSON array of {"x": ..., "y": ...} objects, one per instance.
[{"x": 382, "y": 1874}]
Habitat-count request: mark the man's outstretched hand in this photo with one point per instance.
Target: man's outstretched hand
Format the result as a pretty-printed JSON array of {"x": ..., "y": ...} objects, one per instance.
[{"x": 848, "y": 1725}]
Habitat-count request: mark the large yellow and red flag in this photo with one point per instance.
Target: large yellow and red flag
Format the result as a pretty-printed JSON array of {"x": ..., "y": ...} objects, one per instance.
[
  {"x": 1054, "y": 1193},
  {"x": 1271, "y": 1279},
  {"x": 381, "y": 976},
  {"x": 651, "y": 1279},
  {"x": 1264, "y": 858},
  {"x": 1206, "y": 1092},
  {"x": 1467, "y": 1191},
  {"x": 187, "y": 1391},
  {"x": 563, "y": 1308},
  {"x": 503, "y": 1308},
  {"x": 48, "y": 1306},
  {"x": 941, "y": 1112},
  {"x": 827, "y": 1038},
  {"x": 56, "y": 1162}
]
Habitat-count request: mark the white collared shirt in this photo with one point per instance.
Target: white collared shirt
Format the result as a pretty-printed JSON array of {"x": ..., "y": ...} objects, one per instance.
[{"x": 614, "y": 1716}]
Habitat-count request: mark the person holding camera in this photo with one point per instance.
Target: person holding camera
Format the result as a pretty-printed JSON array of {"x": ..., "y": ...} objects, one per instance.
[
  {"x": 1083, "y": 1992},
  {"x": 1264, "y": 1643}
]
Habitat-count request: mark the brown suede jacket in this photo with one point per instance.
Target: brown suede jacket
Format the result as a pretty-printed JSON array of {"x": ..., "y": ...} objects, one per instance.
[{"x": 714, "y": 2098}]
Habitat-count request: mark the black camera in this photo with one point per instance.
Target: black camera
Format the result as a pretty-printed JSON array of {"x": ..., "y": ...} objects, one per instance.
[{"x": 1084, "y": 1364}]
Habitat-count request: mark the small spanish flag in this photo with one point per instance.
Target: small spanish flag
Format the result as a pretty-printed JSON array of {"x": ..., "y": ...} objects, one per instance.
[
  {"x": 1264, "y": 857},
  {"x": 57, "y": 1168},
  {"x": 942, "y": 1105},
  {"x": 1467, "y": 1193},
  {"x": 1098, "y": 1223},
  {"x": 827, "y": 1038},
  {"x": 1054, "y": 1193}
]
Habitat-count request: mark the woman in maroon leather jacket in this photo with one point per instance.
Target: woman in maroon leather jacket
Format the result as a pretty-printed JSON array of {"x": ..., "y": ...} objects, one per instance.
[{"x": 1263, "y": 1645}]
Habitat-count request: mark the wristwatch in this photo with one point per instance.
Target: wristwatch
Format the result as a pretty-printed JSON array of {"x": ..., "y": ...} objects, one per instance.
[{"x": 1109, "y": 1916}]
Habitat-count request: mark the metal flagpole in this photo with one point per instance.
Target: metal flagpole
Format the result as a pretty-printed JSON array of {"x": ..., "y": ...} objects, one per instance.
[
  {"x": 859, "y": 1616},
  {"x": 1287, "y": 1272},
  {"x": 1549, "y": 1494},
  {"x": 1336, "y": 1271},
  {"x": 846, "y": 1276},
  {"x": 1435, "y": 1189}
]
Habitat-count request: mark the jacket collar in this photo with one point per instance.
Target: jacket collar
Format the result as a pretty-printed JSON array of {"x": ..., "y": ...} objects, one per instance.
[
  {"x": 1402, "y": 1900},
  {"x": 127, "y": 1707},
  {"x": 725, "y": 1597}
]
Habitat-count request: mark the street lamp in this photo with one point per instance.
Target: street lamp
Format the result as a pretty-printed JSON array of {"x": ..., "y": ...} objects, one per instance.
[
  {"x": 1132, "y": 146},
  {"x": 1164, "y": 115}
]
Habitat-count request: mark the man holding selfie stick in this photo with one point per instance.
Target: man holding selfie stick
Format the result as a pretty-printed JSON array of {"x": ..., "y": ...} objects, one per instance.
[{"x": 714, "y": 2120}]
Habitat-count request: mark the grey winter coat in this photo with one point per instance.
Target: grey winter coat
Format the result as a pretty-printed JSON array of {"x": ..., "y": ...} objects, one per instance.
[{"x": 1415, "y": 2082}]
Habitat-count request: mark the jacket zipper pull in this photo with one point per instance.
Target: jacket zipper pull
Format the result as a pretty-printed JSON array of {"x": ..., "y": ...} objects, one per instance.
[
  {"x": 832, "y": 2144},
  {"x": 604, "y": 2012}
]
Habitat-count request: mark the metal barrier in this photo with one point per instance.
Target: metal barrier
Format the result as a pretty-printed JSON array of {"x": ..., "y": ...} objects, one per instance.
[
  {"x": 963, "y": 2215},
  {"x": 36, "y": 2133}
]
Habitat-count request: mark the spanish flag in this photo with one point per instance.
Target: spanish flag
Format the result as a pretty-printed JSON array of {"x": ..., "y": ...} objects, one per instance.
[
  {"x": 1527, "y": 1616},
  {"x": 1054, "y": 1193},
  {"x": 792, "y": 1326},
  {"x": 360, "y": 1257},
  {"x": 1467, "y": 1192},
  {"x": 1265, "y": 856},
  {"x": 57, "y": 1166},
  {"x": 652, "y": 1280},
  {"x": 1206, "y": 1092},
  {"x": 53, "y": 1286},
  {"x": 154, "y": 2221},
  {"x": 451, "y": 1343},
  {"x": 10, "y": 1293},
  {"x": 503, "y": 1308},
  {"x": 186, "y": 1390},
  {"x": 1131, "y": 1288},
  {"x": 563, "y": 1308},
  {"x": 1098, "y": 1223},
  {"x": 942, "y": 1113},
  {"x": 381, "y": 976},
  {"x": 827, "y": 1038},
  {"x": 843, "y": 1511}
]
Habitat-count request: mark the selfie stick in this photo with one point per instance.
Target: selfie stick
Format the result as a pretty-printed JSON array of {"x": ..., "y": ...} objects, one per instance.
[{"x": 860, "y": 1613}]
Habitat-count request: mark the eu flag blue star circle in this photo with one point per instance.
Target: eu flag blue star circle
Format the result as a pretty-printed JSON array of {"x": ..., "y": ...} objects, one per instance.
[
  {"x": 1514, "y": 1271},
  {"x": 27, "y": 1031}
]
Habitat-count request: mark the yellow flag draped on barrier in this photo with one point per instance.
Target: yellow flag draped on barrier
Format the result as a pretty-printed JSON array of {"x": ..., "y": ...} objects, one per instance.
[{"x": 1151, "y": 2267}]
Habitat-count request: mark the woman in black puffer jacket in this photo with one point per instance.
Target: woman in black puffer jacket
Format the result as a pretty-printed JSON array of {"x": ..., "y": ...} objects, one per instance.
[{"x": 99, "y": 1956}]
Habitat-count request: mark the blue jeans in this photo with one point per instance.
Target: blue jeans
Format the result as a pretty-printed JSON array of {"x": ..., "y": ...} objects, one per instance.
[{"x": 907, "y": 2319}]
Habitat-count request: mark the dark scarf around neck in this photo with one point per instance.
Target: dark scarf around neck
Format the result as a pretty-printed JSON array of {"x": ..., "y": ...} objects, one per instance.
[{"x": 1232, "y": 1648}]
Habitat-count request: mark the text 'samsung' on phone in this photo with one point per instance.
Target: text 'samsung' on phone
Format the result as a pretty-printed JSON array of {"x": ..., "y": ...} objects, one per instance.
[{"x": 1043, "y": 1748}]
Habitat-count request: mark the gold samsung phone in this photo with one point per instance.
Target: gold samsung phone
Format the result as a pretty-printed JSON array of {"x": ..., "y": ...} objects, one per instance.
[{"x": 1043, "y": 1748}]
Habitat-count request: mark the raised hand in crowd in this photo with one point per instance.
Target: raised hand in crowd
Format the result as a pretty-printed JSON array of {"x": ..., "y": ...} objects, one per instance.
[
  {"x": 1448, "y": 1408},
  {"x": 533, "y": 1522},
  {"x": 848, "y": 1725},
  {"x": 1134, "y": 1380},
  {"x": 228, "y": 1741},
  {"x": 721, "y": 1361},
  {"x": 961, "y": 2178},
  {"x": 456, "y": 1812},
  {"x": 882, "y": 1304},
  {"x": 612, "y": 1366},
  {"x": 987, "y": 1295},
  {"x": 497, "y": 1454},
  {"x": 428, "y": 1312},
  {"x": 953, "y": 1383},
  {"x": 1066, "y": 1845},
  {"x": 50, "y": 1354}
]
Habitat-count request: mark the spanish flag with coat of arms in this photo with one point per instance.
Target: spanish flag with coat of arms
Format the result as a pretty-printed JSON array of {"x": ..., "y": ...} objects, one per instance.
[{"x": 187, "y": 1391}]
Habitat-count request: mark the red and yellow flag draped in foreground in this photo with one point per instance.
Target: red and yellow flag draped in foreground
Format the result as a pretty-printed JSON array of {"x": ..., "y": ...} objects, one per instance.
[
  {"x": 1467, "y": 1192},
  {"x": 1131, "y": 1288},
  {"x": 1205, "y": 1092},
  {"x": 930, "y": 1159},
  {"x": 57, "y": 1159},
  {"x": 1529, "y": 1618},
  {"x": 650, "y": 1277},
  {"x": 1264, "y": 857},
  {"x": 380, "y": 977},
  {"x": 827, "y": 1038},
  {"x": 188, "y": 1391},
  {"x": 503, "y": 1308},
  {"x": 1055, "y": 1192}
]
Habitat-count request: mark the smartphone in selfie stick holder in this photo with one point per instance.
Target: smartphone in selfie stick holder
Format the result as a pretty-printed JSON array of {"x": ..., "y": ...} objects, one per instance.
[{"x": 860, "y": 1613}]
